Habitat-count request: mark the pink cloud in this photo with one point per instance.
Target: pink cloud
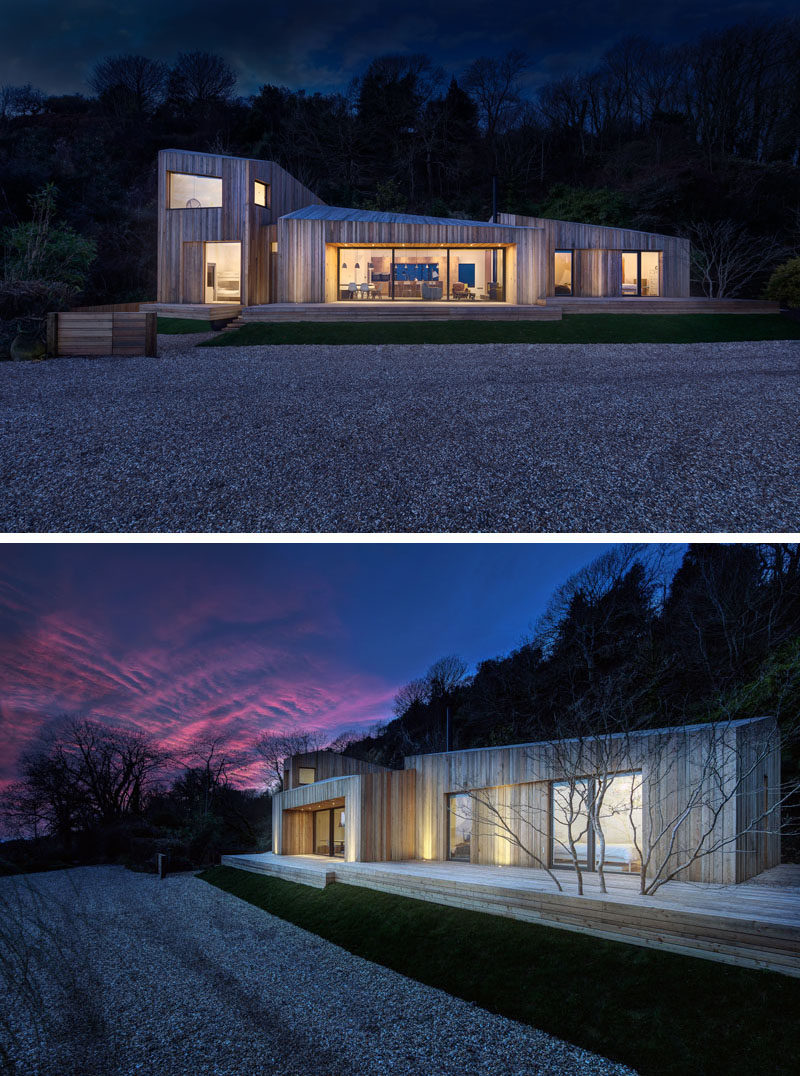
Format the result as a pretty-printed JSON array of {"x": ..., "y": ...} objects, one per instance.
[{"x": 235, "y": 662}]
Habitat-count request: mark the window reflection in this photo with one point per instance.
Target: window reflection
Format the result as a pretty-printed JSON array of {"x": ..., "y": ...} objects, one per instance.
[{"x": 459, "y": 826}]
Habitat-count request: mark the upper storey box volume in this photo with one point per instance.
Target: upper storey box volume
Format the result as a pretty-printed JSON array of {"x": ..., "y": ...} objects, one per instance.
[{"x": 244, "y": 231}]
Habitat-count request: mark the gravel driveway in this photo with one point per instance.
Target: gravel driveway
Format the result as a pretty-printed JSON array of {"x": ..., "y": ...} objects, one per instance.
[
  {"x": 633, "y": 437},
  {"x": 177, "y": 977}
]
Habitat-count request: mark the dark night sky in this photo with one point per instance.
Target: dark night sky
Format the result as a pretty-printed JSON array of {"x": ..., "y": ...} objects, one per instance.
[
  {"x": 322, "y": 45},
  {"x": 183, "y": 639}
]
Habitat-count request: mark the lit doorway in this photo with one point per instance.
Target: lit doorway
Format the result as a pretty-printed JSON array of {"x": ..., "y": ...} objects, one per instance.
[
  {"x": 222, "y": 272},
  {"x": 641, "y": 272},
  {"x": 329, "y": 832}
]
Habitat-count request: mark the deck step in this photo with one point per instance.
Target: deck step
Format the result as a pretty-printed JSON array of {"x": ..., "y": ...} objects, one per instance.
[{"x": 667, "y": 305}]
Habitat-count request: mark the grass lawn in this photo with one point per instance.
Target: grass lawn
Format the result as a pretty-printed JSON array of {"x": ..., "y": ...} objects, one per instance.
[
  {"x": 175, "y": 326},
  {"x": 573, "y": 329},
  {"x": 656, "y": 1011}
]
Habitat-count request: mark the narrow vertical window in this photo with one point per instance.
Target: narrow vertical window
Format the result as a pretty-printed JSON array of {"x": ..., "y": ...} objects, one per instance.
[
  {"x": 562, "y": 272},
  {"x": 261, "y": 193},
  {"x": 459, "y": 816}
]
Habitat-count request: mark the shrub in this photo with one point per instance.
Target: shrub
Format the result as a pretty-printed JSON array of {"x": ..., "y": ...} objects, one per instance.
[
  {"x": 33, "y": 298},
  {"x": 784, "y": 284}
]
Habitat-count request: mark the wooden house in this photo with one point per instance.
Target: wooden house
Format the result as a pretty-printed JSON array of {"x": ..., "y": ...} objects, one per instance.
[
  {"x": 239, "y": 233},
  {"x": 666, "y": 793}
]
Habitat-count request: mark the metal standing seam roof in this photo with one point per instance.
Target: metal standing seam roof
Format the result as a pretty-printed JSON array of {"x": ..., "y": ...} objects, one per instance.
[{"x": 332, "y": 212}]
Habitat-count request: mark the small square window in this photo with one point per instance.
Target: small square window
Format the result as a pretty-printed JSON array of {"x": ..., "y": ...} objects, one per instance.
[
  {"x": 306, "y": 775},
  {"x": 261, "y": 193}
]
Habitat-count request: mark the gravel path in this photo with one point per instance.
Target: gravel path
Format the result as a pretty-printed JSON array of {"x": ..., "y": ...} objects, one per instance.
[
  {"x": 178, "y": 977},
  {"x": 634, "y": 437}
]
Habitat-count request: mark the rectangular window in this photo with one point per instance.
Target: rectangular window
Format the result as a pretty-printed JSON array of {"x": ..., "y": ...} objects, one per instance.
[
  {"x": 619, "y": 829},
  {"x": 562, "y": 272},
  {"x": 306, "y": 775},
  {"x": 261, "y": 193},
  {"x": 569, "y": 828},
  {"x": 194, "y": 192},
  {"x": 649, "y": 274},
  {"x": 459, "y": 816}
]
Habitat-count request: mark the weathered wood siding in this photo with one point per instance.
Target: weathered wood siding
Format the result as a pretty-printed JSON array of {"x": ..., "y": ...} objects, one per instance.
[
  {"x": 387, "y": 824},
  {"x": 326, "y": 764},
  {"x": 113, "y": 333},
  {"x": 673, "y": 762},
  {"x": 757, "y": 807},
  {"x": 379, "y": 815},
  {"x": 306, "y": 268},
  {"x": 293, "y": 836},
  {"x": 597, "y": 264},
  {"x": 238, "y": 220}
]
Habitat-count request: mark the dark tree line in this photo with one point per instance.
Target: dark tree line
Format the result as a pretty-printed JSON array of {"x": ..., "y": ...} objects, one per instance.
[
  {"x": 632, "y": 641},
  {"x": 657, "y": 137},
  {"x": 91, "y": 792}
]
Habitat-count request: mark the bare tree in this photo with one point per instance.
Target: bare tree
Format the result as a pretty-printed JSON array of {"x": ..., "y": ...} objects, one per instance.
[
  {"x": 495, "y": 86},
  {"x": 726, "y": 801},
  {"x": 128, "y": 84},
  {"x": 200, "y": 78},
  {"x": 725, "y": 258},
  {"x": 216, "y": 760},
  {"x": 274, "y": 748},
  {"x": 410, "y": 694}
]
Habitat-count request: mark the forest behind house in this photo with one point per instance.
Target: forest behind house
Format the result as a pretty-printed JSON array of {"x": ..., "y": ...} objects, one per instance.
[{"x": 700, "y": 139}]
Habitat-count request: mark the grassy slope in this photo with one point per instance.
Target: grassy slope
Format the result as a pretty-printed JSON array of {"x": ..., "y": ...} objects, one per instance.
[
  {"x": 573, "y": 329},
  {"x": 175, "y": 326},
  {"x": 658, "y": 1012}
]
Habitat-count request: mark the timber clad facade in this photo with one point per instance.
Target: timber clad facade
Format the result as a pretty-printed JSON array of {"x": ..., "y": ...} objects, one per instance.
[
  {"x": 666, "y": 791},
  {"x": 239, "y": 231}
]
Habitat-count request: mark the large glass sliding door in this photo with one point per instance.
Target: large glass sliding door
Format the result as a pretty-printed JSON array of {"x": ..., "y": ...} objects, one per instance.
[
  {"x": 641, "y": 272},
  {"x": 619, "y": 829},
  {"x": 329, "y": 832},
  {"x": 417, "y": 274}
]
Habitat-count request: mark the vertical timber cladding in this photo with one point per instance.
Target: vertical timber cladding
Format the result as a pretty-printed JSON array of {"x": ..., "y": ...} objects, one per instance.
[
  {"x": 238, "y": 220},
  {"x": 286, "y": 829},
  {"x": 307, "y": 261},
  {"x": 673, "y": 763},
  {"x": 388, "y": 811},
  {"x": 600, "y": 248}
]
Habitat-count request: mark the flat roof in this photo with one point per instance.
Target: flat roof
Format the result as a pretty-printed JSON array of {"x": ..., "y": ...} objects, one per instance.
[{"x": 732, "y": 724}]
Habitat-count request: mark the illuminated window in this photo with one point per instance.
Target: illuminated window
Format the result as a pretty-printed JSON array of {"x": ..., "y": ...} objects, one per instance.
[
  {"x": 459, "y": 812},
  {"x": 619, "y": 826},
  {"x": 194, "y": 192},
  {"x": 641, "y": 272},
  {"x": 306, "y": 775},
  {"x": 562, "y": 272},
  {"x": 261, "y": 193}
]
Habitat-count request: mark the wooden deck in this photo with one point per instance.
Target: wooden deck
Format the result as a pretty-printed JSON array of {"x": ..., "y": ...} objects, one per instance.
[
  {"x": 194, "y": 311},
  {"x": 642, "y": 304},
  {"x": 752, "y": 924},
  {"x": 388, "y": 310}
]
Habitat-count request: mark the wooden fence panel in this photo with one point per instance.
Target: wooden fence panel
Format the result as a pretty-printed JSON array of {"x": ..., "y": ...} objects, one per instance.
[{"x": 114, "y": 333}]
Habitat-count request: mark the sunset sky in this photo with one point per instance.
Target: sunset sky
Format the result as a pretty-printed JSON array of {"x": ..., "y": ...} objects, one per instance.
[
  {"x": 183, "y": 639},
  {"x": 322, "y": 46}
]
